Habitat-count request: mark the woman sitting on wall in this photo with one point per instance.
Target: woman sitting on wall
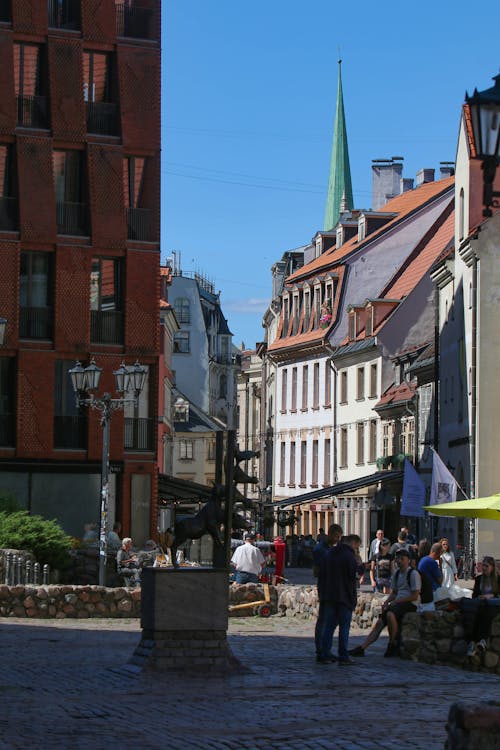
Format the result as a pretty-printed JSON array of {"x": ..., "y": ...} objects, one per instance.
[{"x": 482, "y": 608}]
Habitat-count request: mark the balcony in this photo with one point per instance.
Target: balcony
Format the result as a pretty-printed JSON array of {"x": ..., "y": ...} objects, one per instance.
[
  {"x": 5, "y": 11},
  {"x": 35, "y": 323},
  {"x": 133, "y": 21},
  {"x": 106, "y": 326},
  {"x": 102, "y": 118},
  {"x": 7, "y": 431},
  {"x": 8, "y": 215},
  {"x": 138, "y": 435},
  {"x": 139, "y": 224},
  {"x": 64, "y": 14},
  {"x": 32, "y": 111},
  {"x": 70, "y": 432},
  {"x": 72, "y": 219}
]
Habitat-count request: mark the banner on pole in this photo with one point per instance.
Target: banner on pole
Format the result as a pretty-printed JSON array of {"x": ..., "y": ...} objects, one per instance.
[
  {"x": 443, "y": 483},
  {"x": 413, "y": 496}
]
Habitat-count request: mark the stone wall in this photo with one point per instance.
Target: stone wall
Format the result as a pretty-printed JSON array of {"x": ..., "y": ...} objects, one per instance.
[
  {"x": 302, "y": 602},
  {"x": 438, "y": 638},
  {"x": 69, "y": 601},
  {"x": 473, "y": 726}
]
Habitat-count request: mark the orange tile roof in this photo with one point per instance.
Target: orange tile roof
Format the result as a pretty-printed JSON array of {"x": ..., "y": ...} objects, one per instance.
[
  {"x": 397, "y": 394},
  {"x": 410, "y": 276},
  {"x": 403, "y": 205}
]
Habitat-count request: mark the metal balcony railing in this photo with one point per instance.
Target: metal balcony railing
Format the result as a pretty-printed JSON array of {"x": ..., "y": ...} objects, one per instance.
[
  {"x": 72, "y": 219},
  {"x": 35, "y": 323},
  {"x": 102, "y": 118},
  {"x": 139, "y": 224},
  {"x": 32, "y": 111},
  {"x": 133, "y": 21},
  {"x": 8, "y": 215},
  {"x": 138, "y": 434},
  {"x": 5, "y": 11},
  {"x": 7, "y": 431},
  {"x": 106, "y": 326},
  {"x": 70, "y": 432},
  {"x": 64, "y": 14}
]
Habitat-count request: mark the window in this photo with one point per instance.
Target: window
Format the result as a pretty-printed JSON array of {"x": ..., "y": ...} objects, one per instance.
[
  {"x": 327, "y": 460},
  {"x": 343, "y": 387},
  {"x": 292, "y": 464},
  {"x": 369, "y": 321},
  {"x": 35, "y": 296},
  {"x": 138, "y": 432},
  {"x": 29, "y": 80},
  {"x": 70, "y": 422},
  {"x": 70, "y": 193},
  {"x": 351, "y": 324},
  {"x": 360, "y": 434},
  {"x": 223, "y": 386},
  {"x": 7, "y": 402},
  {"x": 373, "y": 381},
  {"x": 294, "y": 390},
  {"x": 360, "y": 394},
  {"x": 181, "y": 342},
  {"x": 106, "y": 301},
  {"x": 282, "y": 463},
  {"x": 316, "y": 385},
  {"x": 182, "y": 309},
  {"x": 64, "y": 14},
  {"x": 305, "y": 386},
  {"x": 186, "y": 450},
  {"x": 373, "y": 441},
  {"x": 210, "y": 450},
  {"x": 343, "y": 447},
  {"x": 303, "y": 463},
  {"x": 5, "y": 11},
  {"x": 284, "y": 374},
  {"x": 314, "y": 476},
  {"x": 284, "y": 330},
  {"x": 8, "y": 191},
  {"x": 133, "y": 19},
  {"x": 386, "y": 441},
  {"x": 98, "y": 94},
  {"x": 328, "y": 383},
  {"x": 138, "y": 217}
]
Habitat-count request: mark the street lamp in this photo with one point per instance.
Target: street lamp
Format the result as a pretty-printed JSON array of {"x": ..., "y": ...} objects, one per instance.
[
  {"x": 485, "y": 117},
  {"x": 130, "y": 381},
  {"x": 3, "y": 324}
]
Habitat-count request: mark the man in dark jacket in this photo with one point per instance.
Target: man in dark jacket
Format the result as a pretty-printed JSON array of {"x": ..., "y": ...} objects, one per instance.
[{"x": 337, "y": 595}]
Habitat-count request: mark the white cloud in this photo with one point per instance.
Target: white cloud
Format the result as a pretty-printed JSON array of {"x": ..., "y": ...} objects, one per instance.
[{"x": 251, "y": 305}]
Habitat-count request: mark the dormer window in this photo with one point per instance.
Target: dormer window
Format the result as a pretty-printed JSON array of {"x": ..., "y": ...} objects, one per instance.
[
  {"x": 361, "y": 228},
  {"x": 352, "y": 326},
  {"x": 369, "y": 321},
  {"x": 319, "y": 246},
  {"x": 181, "y": 410}
]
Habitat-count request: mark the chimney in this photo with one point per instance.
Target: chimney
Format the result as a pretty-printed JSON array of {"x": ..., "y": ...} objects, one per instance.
[
  {"x": 386, "y": 179},
  {"x": 446, "y": 169},
  {"x": 405, "y": 184},
  {"x": 425, "y": 175}
]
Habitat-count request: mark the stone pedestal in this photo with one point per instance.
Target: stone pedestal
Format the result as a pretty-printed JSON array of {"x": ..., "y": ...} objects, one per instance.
[{"x": 184, "y": 618}]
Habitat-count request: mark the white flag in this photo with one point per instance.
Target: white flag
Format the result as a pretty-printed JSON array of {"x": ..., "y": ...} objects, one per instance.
[{"x": 443, "y": 484}]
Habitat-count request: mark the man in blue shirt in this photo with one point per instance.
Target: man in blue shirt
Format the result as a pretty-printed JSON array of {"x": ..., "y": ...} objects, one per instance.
[{"x": 429, "y": 566}]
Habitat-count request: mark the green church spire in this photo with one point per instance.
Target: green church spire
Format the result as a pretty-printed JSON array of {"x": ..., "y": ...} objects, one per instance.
[{"x": 339, "y": 183}]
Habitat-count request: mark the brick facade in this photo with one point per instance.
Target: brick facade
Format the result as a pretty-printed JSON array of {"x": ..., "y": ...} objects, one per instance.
[{"x": 79, "y": 257}]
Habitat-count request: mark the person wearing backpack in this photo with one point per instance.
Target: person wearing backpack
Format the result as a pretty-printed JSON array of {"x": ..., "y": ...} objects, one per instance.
[
  {"x": 404, "y": 597},
  {"x": 432, "y": 576}
]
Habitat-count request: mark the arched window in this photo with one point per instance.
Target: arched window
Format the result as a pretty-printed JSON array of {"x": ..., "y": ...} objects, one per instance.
[{"x": 223, "y": 386}]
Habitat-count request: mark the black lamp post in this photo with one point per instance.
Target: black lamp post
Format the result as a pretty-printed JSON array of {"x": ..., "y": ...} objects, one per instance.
[
  {"x": 485, "y": 117},
  {"x": 3, "y": 324},
  {"x": 130, "y": 382}
]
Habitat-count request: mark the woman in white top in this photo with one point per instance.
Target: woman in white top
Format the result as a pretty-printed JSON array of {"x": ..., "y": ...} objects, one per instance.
[{"x": 448, "y": 564}]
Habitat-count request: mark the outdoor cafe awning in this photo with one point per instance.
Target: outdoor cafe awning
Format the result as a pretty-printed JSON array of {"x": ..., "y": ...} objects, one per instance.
[{"x": 341, "y": 488}]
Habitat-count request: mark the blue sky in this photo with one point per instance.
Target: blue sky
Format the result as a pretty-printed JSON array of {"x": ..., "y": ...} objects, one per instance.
[{"x": 248, "y": 101}]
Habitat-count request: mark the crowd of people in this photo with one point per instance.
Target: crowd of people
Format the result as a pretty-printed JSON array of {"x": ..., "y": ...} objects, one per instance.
[{"x": 410, "y": 574}]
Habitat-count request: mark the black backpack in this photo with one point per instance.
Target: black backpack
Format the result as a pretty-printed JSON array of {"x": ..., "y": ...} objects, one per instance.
[{"x": 426, "y": 591}]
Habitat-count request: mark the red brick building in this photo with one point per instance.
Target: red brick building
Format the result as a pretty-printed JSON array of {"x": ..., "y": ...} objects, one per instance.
[{"x": 79, "y": 251}]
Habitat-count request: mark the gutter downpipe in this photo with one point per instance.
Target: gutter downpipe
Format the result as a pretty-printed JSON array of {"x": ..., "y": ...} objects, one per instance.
[
  {"x": 473, "y": 457},
  {"x": 335, "y": 378}
]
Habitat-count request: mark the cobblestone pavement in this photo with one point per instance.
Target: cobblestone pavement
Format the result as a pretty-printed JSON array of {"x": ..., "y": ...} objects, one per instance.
[{"x": 64, "y": 685}]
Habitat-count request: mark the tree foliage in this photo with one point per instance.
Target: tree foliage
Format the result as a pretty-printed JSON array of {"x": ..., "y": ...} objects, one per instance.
[
  {"x": 8, "y": 503},
  {"x": 45, "y": 539}
]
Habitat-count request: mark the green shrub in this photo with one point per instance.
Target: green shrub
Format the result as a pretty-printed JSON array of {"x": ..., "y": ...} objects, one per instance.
[
  {"x": 45, "y": 539},
  {"x": 8, "y": 503}
]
